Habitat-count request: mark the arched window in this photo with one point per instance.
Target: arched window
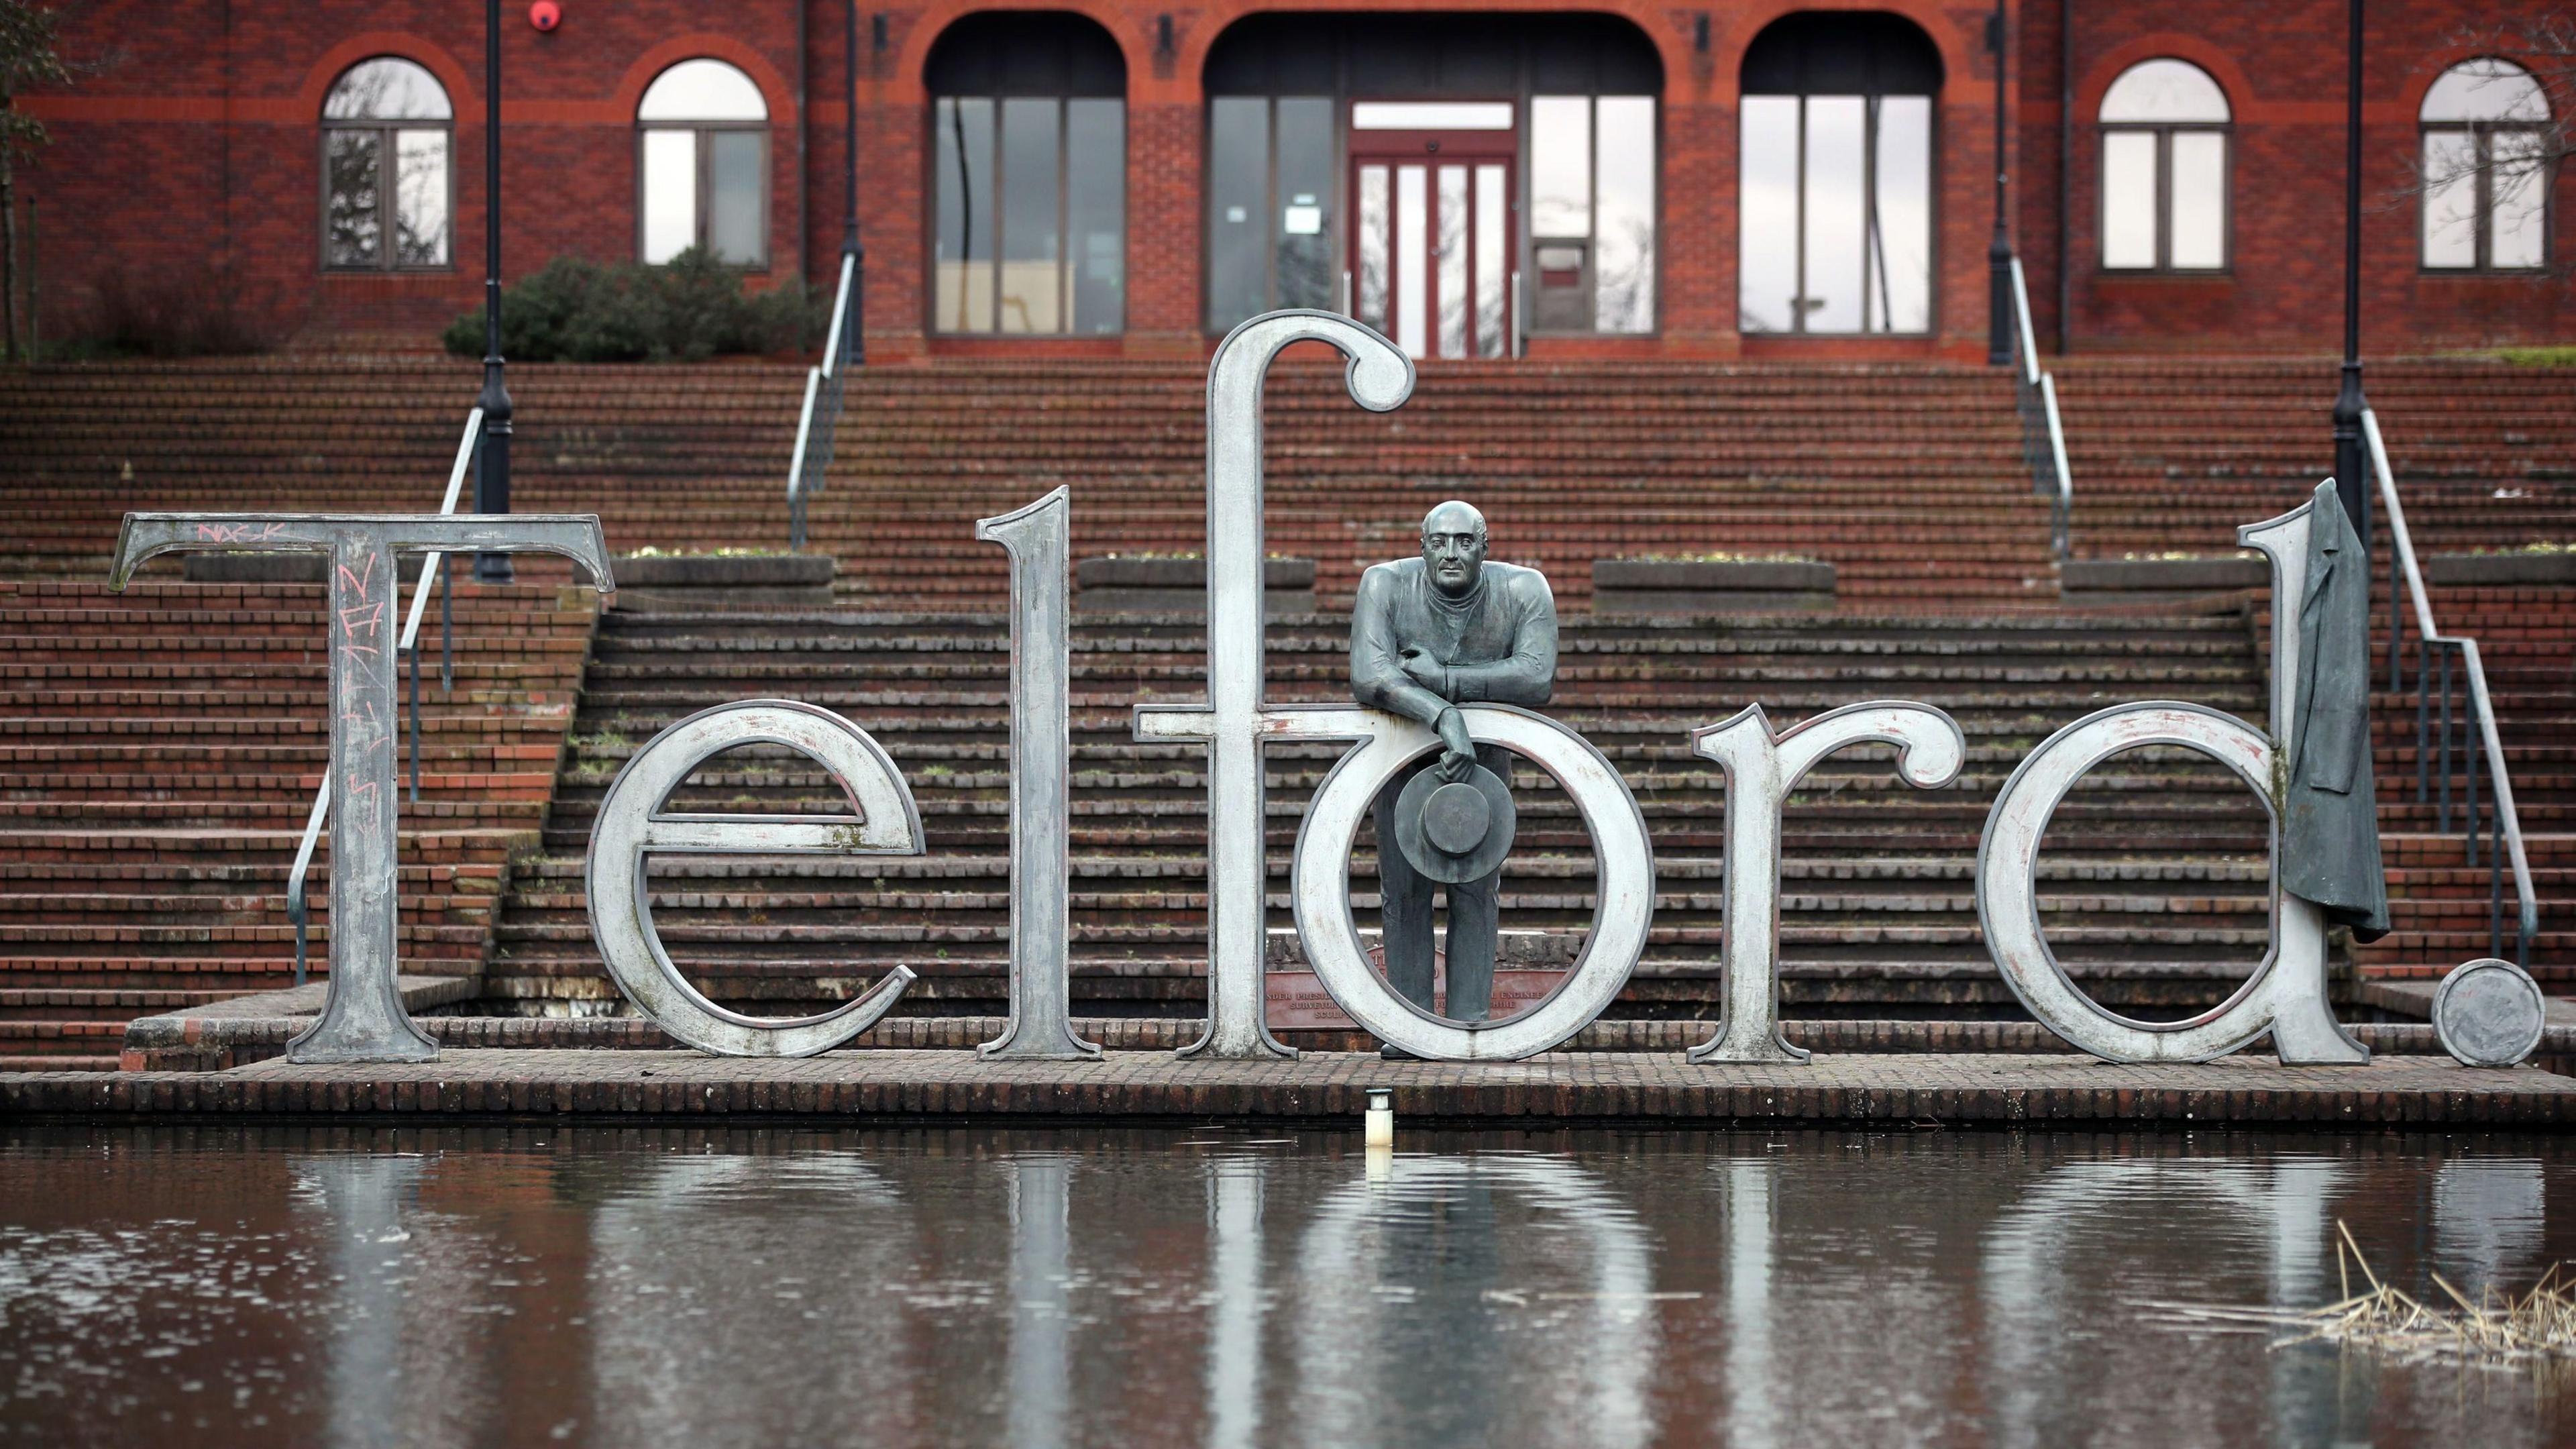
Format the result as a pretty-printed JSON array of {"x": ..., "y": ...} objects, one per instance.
[
  {"x": 1374, "y": 164},
  {"x": 1837, "y": 175},
  {"x": 2486, "y": 169},
  {"x": 2164, "y": 170},
  {"x": 387, "y": 188},
  {"x": 1029, "y": 117},
  {"x": 703, "y": 148}
]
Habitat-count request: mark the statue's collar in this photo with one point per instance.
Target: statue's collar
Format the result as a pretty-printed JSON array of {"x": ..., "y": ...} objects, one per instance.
[{"x": 1457, "y": 609}]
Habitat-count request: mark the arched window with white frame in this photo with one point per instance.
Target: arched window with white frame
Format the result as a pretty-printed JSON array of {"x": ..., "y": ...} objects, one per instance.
[
  {"x": 2486, "y": 169},
  {"x": 703, "y": 162},
  {"x": 388, "y": 192},
  {"x": 2164, "y": 169}
]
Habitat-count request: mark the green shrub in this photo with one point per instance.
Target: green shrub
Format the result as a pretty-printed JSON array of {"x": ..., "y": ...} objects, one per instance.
[
  {"x": 2560, "y": 356},
  {"x": 694, "y": 307},
  {"x": 194, "y": 311}
]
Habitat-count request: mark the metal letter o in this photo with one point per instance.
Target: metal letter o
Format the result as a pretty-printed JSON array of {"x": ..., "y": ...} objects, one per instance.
[
  {"x": 632, "y": 826},
  {"x": 1623, "y": 859}
]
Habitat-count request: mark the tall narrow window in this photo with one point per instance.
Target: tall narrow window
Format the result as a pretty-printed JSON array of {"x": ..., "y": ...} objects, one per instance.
[
  {"x": 1592, "y": 212},
  {"x": 387, "y": 188},
  {"x": 1837, "y": 176},
  {"x": 1272, "y": 205},
  {"x": 2164, "y": 170},
  {"x": 2486, "y": 169},
  {"x": 1029, "y": 155},
  {"x": 703, "y": 154}
]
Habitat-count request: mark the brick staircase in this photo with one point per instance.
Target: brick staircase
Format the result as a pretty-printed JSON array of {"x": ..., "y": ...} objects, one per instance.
[
  {"x": 160, "y": 749},
  {"x": 2169, "y": 456},
  {"x": 1908, "y": 478}
]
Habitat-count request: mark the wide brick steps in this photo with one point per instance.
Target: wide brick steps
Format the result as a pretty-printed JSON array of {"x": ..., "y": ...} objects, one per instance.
[
  {"x": 159, "y": 750},
  {"x": 2153, "y": 880},
  {"x": 2172, "y": 455},
  {"x": 1908, "y": 478}
]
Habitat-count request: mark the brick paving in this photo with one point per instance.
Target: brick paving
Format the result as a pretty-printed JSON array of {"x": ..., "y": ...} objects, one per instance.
[{"x": 2403, "y": 1092}]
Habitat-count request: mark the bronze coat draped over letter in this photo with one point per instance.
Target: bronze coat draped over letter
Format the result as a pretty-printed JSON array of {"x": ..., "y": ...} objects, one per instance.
[{"x": 2330, "y": 821}]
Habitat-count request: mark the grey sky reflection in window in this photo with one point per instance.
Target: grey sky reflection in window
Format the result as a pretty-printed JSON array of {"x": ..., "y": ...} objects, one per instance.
[
  {"x": 1592, "y": 175},
  {"x": 1029, "y": 163},
  {"x": 704, "y": 164},
  {"x": 2485, "y": 166},
  {"x": 1837, "y": 214},
  {"x": 1836, "y": 174},
  {"x": 386, "y": 189},
  {"x": 2164, "y": 169}
]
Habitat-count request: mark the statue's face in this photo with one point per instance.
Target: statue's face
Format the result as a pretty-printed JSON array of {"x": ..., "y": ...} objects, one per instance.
[{"x": 1453, "y": 547}]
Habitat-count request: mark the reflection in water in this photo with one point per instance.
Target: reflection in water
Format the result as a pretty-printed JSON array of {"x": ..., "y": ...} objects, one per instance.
[
  {"x": 2486, "y": 1223},
  {"x": 683, "y": 1287},
  {"x": 1234, "y": 1321},
  {"x": 1041, "y": 1272},
  {"x": 738, "y": 1299},
  {"x": 1453, "y": 1300},
  {"x": 2038, "y": 1306},
  {"x": 1750, "y": 1422},
  {"x": 362, "y": 1199}
]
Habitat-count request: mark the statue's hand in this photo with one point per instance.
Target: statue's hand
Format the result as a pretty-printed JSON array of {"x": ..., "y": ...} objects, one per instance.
[
  {"x": 1426, "y": 671},
  {"x": 1459, "y": 758}
]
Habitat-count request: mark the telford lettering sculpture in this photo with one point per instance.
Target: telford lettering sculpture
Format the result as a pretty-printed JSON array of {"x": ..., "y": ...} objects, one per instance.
[
  {"x": 1429, "y": 634},
  {"x": 1446, "y": 652}
]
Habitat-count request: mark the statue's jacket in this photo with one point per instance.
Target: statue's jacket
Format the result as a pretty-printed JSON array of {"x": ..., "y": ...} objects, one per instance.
[{"x": 1497, "y": 645}]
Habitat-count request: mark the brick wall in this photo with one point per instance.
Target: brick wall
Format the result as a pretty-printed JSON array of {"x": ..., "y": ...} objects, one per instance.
[
  {"x": 2282, "y": 64},
  {"x": 194, "y": 154}
]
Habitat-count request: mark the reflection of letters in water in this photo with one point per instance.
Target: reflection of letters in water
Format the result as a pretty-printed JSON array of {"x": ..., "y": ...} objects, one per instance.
[
  {"x": 1420, "y": 1245},
  {"x": 1447, "y": 651}
]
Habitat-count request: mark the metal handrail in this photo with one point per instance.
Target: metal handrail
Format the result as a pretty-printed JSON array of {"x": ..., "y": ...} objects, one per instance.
[
  {"x": 2505, "y": 823},
  {"x": 297, "y": 909},
  {"x": 813, "y": 456},
  {"x": 2038, "y": 394}
]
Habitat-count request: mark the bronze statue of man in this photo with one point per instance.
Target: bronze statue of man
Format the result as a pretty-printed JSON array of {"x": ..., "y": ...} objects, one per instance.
[{"x": 1429, "y": 634}]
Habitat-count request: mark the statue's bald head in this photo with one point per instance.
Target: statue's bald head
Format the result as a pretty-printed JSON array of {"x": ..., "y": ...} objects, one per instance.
[{"x": 1453, "y": 546}]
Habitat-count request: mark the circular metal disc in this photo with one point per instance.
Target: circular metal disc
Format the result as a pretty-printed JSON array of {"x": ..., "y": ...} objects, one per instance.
[
  {"x": 1491, "y": 843},
  {"x": 2489, "y": 1013}
]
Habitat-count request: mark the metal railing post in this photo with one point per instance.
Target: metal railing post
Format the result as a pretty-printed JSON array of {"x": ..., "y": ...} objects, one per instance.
[
  {"x": 411, "y": 655},
  {"x": 446, "y": 624},
  {"x": 2443, "y": 775}
]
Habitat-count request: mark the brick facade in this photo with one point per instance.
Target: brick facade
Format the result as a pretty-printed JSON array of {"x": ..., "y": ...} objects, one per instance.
[{"x": 195, "y": 155}]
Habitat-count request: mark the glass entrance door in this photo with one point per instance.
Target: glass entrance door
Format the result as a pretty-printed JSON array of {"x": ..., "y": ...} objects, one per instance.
[{"x": 1433, "y": 225}]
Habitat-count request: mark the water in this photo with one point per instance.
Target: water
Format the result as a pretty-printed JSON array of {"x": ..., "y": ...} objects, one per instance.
[{"x": 636, "y": 1287}]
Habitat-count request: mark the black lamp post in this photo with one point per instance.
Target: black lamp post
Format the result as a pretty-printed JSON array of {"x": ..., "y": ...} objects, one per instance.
[
  {"x": 2352, "y": 476},
  {"x": 492, "y": 470},
  {"x": 855, "y": 345},
  {"x": 1999, "y": 327}
]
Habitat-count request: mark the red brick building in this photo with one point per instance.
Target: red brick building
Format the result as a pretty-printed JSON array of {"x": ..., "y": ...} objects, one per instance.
[{"x": 1119, "y": 177}]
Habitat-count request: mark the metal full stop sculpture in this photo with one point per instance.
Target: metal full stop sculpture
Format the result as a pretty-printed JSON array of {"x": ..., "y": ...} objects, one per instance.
[{"x": 1450, "y": 655}]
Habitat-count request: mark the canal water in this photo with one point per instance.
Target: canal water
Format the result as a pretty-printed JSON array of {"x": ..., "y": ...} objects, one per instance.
[{"x": 693, "y": 1287}]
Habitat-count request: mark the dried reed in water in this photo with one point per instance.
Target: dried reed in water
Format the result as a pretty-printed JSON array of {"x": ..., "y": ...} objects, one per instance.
[{"x": 2537, "y": 1327}]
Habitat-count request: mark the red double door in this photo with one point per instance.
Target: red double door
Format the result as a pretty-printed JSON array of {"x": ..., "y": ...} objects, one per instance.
[{"x": 1432, "y": 232}]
